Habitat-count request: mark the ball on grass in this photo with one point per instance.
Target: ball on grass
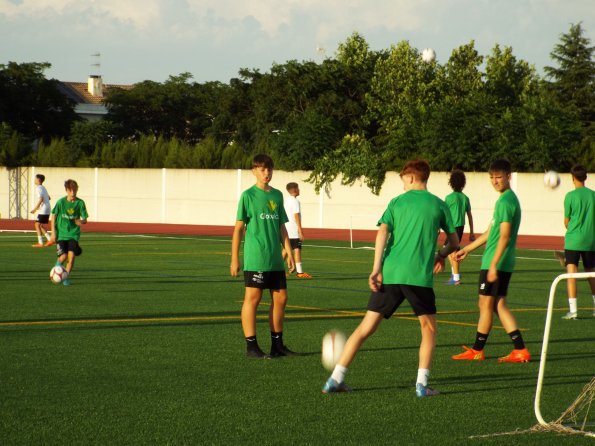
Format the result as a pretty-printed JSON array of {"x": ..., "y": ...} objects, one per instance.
[{"x": 332, "y": 347}]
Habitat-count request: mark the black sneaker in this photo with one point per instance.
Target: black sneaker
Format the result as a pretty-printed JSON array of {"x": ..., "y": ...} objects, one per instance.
[
  {"x": 277, "y": 352},
  {"x": 257, "y": 354}
]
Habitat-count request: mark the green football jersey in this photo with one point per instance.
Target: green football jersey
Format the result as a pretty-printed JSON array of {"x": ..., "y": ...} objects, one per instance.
[
  {"x": 413, "y": 219},
  {"x": 579, "y": 207},
  {"x": 459, "y": 205},
  {"x": 264, "y": 214},
  {"x": 507, "y": 210},
  {"x": 65, "y": 213}
]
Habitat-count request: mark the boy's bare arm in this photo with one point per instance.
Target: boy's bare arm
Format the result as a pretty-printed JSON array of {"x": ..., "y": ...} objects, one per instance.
[
  {"x": 375, "y": 279},
  {"x": 471, "y": 231},
  {"x": 461, "y": 254},
  {"x": 298, "y": 222},
  {"x": 505, "y": 231},
  {"x": 234, "y": 267},
  {"x": 287, "y": 247},
  {"x": 53, "y": 227}
]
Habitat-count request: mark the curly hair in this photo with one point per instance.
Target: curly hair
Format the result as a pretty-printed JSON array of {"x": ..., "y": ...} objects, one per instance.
[{"x": 457, "y": 180}]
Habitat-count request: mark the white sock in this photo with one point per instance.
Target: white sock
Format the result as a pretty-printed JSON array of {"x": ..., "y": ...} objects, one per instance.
[
  {"x": 456, "y": 277},
  {"x": 594, "y": 301},
  {"x": 422, "y": 376},
  {"x": 298, "y": 268},
  {"x": 40, "y": 239},
  {"x": 572, "y": 304},
  {"x": 48, "y": 236},
  {"x": 339, "y": 373}
]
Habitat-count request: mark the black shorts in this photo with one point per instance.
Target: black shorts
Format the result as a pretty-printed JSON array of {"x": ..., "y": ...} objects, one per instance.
[
  {"x": 390, "y": 297},
  {"x": 43, "y": 218},
  {"x": 267, "y": 280},
  {"x": 573, "y": 257},
  {"x": 499, "y": 288},
  {"x": 65, "y": 246},
  {"x": 296, "y": 243},
  {"x": 459, "y": 230}
]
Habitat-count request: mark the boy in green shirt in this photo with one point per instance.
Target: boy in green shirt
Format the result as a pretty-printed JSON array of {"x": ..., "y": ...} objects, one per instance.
[
  {"x": 497, "y": 265},
  {"x": 68, "y": 215},
  {"x": 404, "y": 261},
  {"x": 579, "y": 219},
  {"x": 262, "y": 216},
  {"x": 459, "y": 205}
]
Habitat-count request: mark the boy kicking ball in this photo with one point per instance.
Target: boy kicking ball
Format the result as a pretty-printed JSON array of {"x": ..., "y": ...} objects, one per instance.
[
  {"x": 68, "y": 215},
  {"x": 404, "y": 261},
  {"x": 497, "y": 265}
]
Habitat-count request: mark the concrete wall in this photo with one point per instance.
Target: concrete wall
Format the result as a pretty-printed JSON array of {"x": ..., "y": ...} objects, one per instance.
[{"x": 209, "y": 197}]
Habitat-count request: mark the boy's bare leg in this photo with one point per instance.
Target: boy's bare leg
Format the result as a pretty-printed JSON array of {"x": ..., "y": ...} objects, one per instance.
[
  {"x": 454, "y": 265},
  {"x": 70, "y": 263},
  {"x": 486, "y": 314},
  {"x": 252, "y": 298},
  {"x": 428, "y": 340},
  {"x": 506, "y": 317},
  {"x": 365, "y": 329},
  {"x": 277, "y": 310}
]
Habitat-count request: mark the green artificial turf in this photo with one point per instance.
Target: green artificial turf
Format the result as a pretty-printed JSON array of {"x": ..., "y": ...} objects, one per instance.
[{"x": 146, "y": 347}]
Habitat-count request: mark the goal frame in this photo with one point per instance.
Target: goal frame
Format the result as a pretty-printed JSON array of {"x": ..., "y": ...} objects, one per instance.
[{"x": 546, "y": 336}]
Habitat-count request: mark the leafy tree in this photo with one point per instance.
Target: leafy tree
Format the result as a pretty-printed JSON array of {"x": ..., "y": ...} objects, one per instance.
[
  {"x": 33, "y": 105},
  {"x": 15, "y": 149}
]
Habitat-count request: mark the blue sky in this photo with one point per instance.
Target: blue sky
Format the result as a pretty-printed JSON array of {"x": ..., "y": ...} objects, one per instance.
[{"x": 213, "y": 39}]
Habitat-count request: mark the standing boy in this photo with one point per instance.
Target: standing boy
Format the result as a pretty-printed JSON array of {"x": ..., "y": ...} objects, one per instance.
[
  {"x": 294, "y": 227},
  {"x": 458, "y": 203},
  {"x": 68, "y": 215},
  {"x": 579, "y": 219},
  {"x": 497, "y": 265},
  {"x": 404, "y": 261},
  {"x": 44, "y": 208},
  {"x": 262, "y": 215}
]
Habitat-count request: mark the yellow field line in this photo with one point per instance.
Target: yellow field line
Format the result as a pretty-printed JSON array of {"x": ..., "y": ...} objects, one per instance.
[{"x": 324, "y": 314}]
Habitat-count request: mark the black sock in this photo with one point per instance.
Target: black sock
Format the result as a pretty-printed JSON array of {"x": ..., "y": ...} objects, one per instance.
[
  {"x": 277, "y": 339},
  {"x": 517, "y": 339},
  {"x": 251, "y": 343},
  {"x": 480, "y": 341}
]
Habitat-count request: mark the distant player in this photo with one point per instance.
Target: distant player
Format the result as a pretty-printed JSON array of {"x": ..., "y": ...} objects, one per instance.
[
  {"x": 294, "y": 228},
  {"x": 404, "y": 260},
  {"x": 262, "y": 216},
  {"x": 497, "y": 265},
  {"x": 68, "y": 215},
  {"x": 579, "y": 219},
  {"x": 459, "y": 205},
  {"x": 44, "y": 208}
]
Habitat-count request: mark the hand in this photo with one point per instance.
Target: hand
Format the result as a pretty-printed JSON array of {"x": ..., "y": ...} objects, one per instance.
[
  {"x": 492, "y": 274},
  {"x": 375, "y": 281},
  {"x": 438, "y": 264},
  {"x": 33, "y": 211},
  {"x": 472, "y": 237},
  {"x": 290, "y": 264},
  {"x": 460, "y": 255},
  {"x": 234, "y": 268}
]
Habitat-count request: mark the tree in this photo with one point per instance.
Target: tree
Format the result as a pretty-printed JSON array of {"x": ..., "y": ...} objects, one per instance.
[{"x": 33, "y": 105}]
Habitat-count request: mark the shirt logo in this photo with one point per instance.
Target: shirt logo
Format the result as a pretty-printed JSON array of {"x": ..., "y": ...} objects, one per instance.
[
  {"x": 272, "y": 205},
  {"x": 273, "y": 215},
  {"x": 70, "y": 211}
]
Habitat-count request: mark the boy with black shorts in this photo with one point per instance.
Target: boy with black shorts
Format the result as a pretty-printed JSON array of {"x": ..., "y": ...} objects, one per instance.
[
  {"x": 458, "y": 203},
  {"x": 68, "y": 215},
  {"x": 44, "y": 208},
  {"x": 294, "y": 228},
  {"x": 579, "y": 219},
  {"x": 404, "y": 260},
  {"x": 497, "y": 266},
  {"x": 262, "y": 215}
]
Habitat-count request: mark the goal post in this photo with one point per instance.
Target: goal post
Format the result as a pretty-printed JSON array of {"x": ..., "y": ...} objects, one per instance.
[{"x": 546, "y": 335}]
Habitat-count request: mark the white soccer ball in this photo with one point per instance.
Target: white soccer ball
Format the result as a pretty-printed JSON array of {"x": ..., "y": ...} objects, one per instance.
[
  {"x": 332, "y": 347},
  {"x": 428, "y": 55},
  {"x": 551, "y": 179},
  {"x": 58, "y": 274}
]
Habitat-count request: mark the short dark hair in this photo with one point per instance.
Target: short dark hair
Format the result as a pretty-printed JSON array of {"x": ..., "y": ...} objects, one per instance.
[
  {"x": 579, "y": 172},
  {"x": 291, "y": 186},
  {"x": 262, "y": 160},
  {"x": 71, "y": 185},
  {"x": 420, "y": 169},
  {"x": 40, "y": 177},
  {"x": 501, "y": 165},
  {"x": 457, "y": 180}
]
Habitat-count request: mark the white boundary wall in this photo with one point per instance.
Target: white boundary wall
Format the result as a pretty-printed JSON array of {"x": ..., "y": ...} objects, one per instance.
[{"x": 209, "y": 197}]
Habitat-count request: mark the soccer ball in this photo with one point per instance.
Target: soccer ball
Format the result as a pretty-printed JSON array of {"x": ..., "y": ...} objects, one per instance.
[
  {"x": 332, "y": 347},
  {"x": 428, "y": 55},
  {"x": 58, "y": 274},
  {"x": 551, "y": 179}
]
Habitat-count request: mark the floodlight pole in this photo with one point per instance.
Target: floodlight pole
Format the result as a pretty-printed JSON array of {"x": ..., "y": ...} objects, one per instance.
[{"x": 546, "y": 335}]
